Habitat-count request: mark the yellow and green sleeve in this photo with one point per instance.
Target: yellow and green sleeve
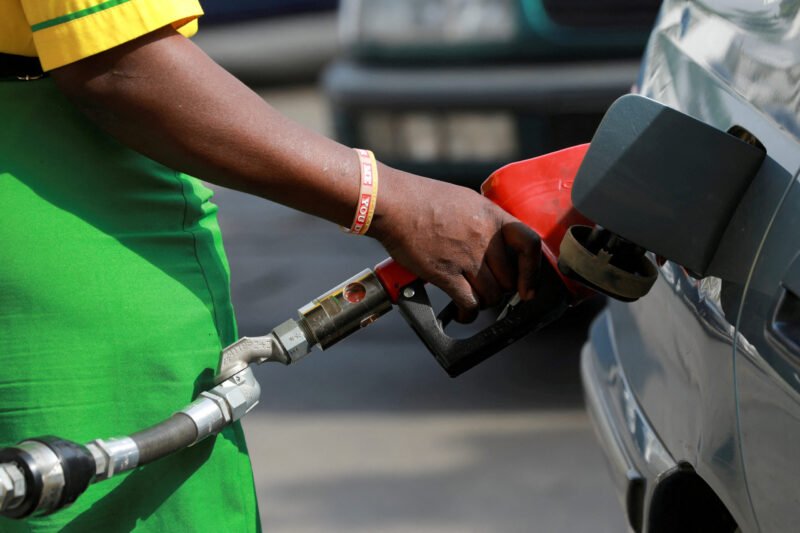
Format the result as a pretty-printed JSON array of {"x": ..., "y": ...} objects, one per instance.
[{"x": 65, "y": 31}]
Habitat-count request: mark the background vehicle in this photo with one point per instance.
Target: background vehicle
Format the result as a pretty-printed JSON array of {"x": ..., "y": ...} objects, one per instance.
[
  {"x": 264, "y": 42},
  {"x": 220, "y": 11},
  {"x": 456, "y": 89},
  {"x": 694, "y": 389}
]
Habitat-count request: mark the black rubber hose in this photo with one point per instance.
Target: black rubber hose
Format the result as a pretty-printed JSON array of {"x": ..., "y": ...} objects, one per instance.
[{"x": 174, "y": 434}]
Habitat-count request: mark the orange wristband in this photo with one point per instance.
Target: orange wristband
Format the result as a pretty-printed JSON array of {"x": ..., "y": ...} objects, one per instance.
[{"x": 368, "y": 192}]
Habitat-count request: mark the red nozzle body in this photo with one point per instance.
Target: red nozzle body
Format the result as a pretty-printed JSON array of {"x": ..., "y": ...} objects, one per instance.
[
  {"x": 393, "y": 277},
  {"x": 538, "y": 192}
]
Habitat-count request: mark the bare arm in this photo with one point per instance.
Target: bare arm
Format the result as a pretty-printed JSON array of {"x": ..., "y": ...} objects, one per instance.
[{"x": 162, "y": 96}]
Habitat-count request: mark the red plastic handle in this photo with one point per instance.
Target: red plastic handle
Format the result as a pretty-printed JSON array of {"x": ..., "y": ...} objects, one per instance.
[
  {"x": 393, "y": 277},
  {"x": 538, "y": 191}
]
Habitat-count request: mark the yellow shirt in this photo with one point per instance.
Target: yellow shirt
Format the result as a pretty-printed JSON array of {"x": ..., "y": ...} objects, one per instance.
[{"x": 60, "y": 32}]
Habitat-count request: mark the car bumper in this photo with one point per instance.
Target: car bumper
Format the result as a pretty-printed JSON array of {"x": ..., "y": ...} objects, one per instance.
[
  {"x": 474, "y": 119},
  {"x": 579, "y": 86},
  {"x": 635, "y": 455}
]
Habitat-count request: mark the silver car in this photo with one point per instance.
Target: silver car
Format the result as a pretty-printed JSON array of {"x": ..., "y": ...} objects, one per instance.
[{"x": 694, "y": 390}]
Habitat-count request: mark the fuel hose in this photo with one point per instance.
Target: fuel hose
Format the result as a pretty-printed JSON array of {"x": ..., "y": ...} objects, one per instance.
[
  {"x": 175, "y": 433},
  {"x": 41, "y": 475}
]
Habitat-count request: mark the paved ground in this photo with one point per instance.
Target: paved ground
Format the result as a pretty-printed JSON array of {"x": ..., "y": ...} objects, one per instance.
[{"x": 371, "y": 435}]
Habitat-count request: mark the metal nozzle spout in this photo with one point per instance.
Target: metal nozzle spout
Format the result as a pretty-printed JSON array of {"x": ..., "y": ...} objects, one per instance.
[{"x": 352, "y": 305}]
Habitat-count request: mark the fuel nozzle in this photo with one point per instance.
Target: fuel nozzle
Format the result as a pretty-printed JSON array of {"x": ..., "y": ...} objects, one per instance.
[
  {"x": 606, "y": 262},
  {"x": 322, "y": 322},
  {"x": 346, "y": 308}
]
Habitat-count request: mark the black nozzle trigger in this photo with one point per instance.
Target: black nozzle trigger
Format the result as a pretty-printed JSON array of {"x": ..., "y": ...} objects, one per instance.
[{"x": 459, "y": 355}]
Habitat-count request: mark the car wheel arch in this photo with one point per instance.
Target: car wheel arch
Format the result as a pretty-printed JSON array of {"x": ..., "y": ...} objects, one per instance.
[{"x": 681, "y": 500}]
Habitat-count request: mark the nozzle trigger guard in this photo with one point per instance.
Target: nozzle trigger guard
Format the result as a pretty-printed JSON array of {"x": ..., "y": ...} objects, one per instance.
[{"x": 457, "y": 356}]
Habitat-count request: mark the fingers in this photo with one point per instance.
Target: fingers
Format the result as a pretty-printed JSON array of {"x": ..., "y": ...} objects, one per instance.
[
  {"x": 465, "y": 298},
  {"x": 526, "y": 244},
  {"x": 503, "y": 270},
  {"x": 471, "y": 292},
  {"x": 497, "y": 273},
  {"x": 485, "y": 286},
  {"x": 486, "y": 291}
]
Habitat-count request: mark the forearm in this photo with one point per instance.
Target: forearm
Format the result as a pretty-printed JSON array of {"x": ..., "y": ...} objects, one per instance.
[{"x": 162, "y": 96}]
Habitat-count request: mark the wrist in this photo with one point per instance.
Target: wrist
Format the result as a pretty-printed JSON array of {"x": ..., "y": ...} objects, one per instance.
[{"x": 394, "y": 190}]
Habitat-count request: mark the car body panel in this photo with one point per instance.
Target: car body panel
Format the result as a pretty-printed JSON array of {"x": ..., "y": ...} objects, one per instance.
[
  {"x": 729, "y": 64},
  {"x": 635, "y": 453},
  {"x": 768, "y": 377},
  {"x": 761, "y": 62},
  {"x": 675, "y": 350}
]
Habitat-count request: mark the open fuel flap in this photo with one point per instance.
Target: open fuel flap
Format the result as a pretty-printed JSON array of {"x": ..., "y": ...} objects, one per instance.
[{"x": 654, "y": 179}]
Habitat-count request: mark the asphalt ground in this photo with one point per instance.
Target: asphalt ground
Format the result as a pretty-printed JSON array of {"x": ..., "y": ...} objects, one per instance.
[{"x": 371, "y": 435}]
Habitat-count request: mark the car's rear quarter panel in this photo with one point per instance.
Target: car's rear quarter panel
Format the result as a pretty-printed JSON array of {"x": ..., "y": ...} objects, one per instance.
[
  {"x": 675, "y": 345},
  {"x": 768, "y": 374}
]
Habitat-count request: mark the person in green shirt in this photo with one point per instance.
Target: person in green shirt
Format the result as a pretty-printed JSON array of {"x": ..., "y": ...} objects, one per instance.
[{"x": 114, "y": 287}]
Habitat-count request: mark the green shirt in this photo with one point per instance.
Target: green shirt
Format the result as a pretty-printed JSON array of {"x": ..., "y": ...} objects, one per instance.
[{"x": 114, "y": 305}]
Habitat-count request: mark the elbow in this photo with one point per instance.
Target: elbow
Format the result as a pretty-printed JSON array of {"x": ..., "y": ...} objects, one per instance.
[
  {"x": 106, "y": 94},
  {"x": 88, "y": 88},
  {"x": 116, "y": 77}
]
